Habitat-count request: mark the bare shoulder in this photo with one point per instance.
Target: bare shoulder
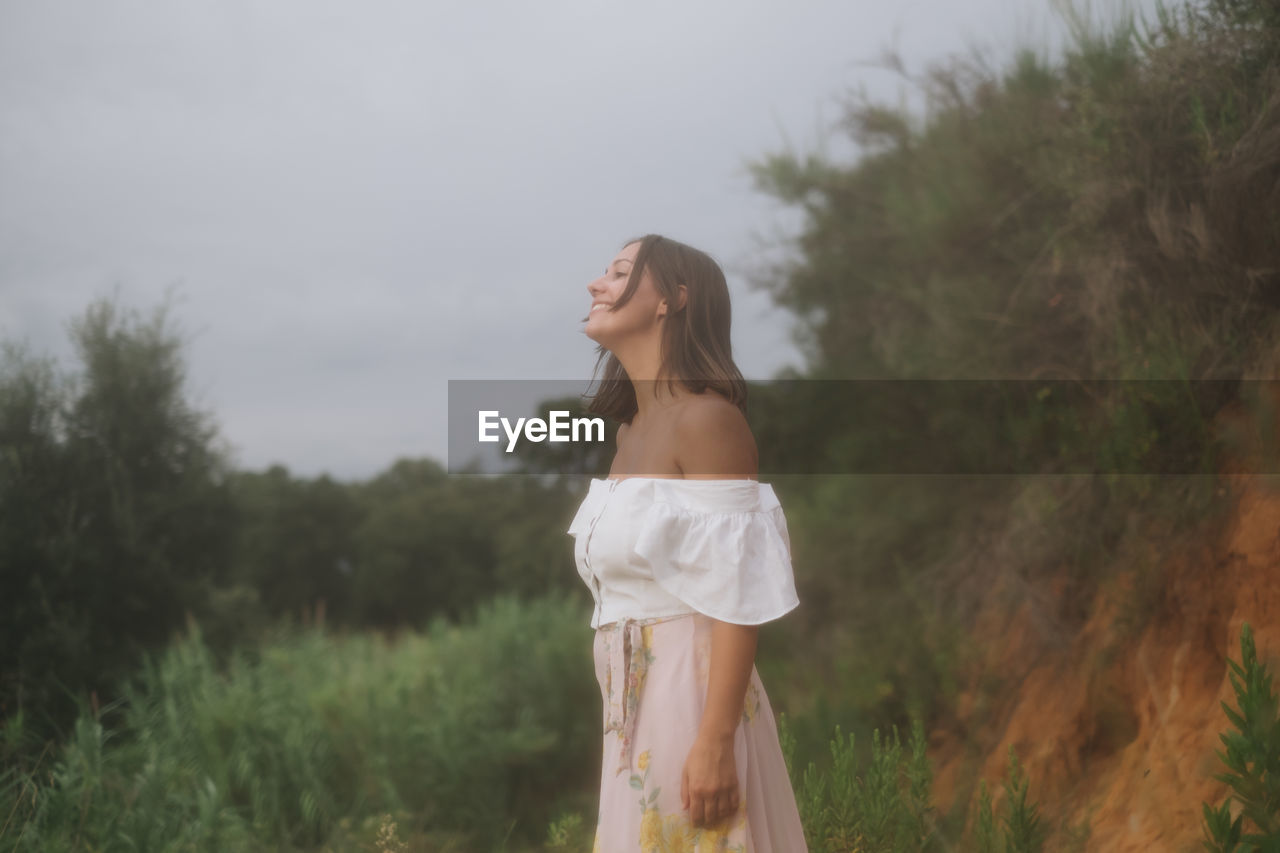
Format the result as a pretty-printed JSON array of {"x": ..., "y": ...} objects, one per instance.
[{"x": 714, "y": 440}]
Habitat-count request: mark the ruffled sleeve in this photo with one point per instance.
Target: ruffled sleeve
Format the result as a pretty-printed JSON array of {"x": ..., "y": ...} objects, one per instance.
[
  {"x": 721, "y": 547},
  {"x": 582, "y": 518}
]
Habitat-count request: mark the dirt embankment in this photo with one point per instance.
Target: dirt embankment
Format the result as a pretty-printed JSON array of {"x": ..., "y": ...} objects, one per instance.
[{"x": 1120, "y": 730}]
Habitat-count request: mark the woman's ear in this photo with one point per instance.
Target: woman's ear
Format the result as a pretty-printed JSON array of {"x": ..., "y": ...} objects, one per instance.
[{"x": 681, "y": 299}]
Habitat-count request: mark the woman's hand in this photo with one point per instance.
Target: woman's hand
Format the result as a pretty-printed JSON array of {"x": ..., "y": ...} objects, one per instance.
[{"x": 709, "y": 782}]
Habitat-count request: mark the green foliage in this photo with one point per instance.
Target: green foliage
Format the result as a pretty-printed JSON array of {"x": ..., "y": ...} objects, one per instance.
[
  {"x": 1110, "y": 215},
  {"x": 409, "y": 544},
  {"x": 1253, "y": 756},
  {"x": 296, "y": 541},
  {"x": 1023, "y": 830},
  {"x": 119, "y": 515},
  {"x": 1052, "y": 221},
  {"x": 1048, "y": 221},
  {"x": 471, "y": 730},
  {"x": 115, "y": 517},
  {"x": 985, "y": 836},
  {"x": 569, "y": 833},
  {"x": 1020, "y": 829},
  {"x": 882, "y": 806},
  {"x": 870, "y": 554}
]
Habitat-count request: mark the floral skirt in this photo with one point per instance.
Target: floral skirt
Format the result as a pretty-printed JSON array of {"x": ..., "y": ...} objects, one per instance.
[{"x": 653, "y": 677}]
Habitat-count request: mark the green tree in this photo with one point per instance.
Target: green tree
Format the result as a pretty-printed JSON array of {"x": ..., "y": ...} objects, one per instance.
[
  {"x": 296, "y": 545},
  {"x": 115, "y": 517}
]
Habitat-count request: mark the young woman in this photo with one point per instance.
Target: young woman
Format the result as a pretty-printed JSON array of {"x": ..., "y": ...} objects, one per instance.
[{"x": 686, "y": 554}]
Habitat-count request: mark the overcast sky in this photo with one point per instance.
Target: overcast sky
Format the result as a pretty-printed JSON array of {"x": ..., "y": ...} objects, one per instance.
[{"x": 353, "y": 203}]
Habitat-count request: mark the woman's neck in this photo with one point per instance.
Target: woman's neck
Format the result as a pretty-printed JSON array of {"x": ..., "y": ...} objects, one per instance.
[
  {"x": 649, "y": 381},
  {"x": 653, "y": 396}
]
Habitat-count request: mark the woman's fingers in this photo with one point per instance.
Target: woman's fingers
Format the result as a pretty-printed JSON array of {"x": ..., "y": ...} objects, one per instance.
[
  {"x": 728, "y": 804},
  {"x": 697, "y": 810},
  {"x": 708, "y": 810}
]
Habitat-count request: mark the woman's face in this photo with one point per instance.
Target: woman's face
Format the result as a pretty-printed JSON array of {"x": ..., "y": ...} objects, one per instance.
[{"x": 639, "y": 316}]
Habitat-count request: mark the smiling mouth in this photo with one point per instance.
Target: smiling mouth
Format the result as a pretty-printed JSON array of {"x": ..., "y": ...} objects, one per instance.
[{"x": 598, "y": 305}]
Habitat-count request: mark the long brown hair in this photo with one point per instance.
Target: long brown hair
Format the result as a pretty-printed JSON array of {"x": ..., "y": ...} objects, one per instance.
[{"x": 696, "y": 351}]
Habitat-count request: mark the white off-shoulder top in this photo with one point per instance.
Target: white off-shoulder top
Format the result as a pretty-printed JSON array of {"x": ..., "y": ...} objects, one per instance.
[{"x": 651, "y": 547}]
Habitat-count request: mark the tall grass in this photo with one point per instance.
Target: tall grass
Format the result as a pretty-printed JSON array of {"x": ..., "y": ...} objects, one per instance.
[{"x": 470, "y": 734}]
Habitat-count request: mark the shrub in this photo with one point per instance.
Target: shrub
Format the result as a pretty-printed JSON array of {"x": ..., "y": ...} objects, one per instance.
[
  {"x": 1021, "y": 830},
  {"x": 463, "y": 731},
  {"x": 883, "y": 808},
  {"x": 1253, "y": 756}
]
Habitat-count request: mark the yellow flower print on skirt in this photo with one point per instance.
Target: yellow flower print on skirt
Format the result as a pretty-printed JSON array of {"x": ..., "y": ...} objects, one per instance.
[
  {"x": 661, "y": 833},
  {"x": 655, "y": 684}
]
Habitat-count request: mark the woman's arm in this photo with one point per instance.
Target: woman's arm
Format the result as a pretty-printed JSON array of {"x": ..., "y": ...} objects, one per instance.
[
  {"x": 714, "y": 442},
  {"x": 709, "y": 783},
  {"x": 733, "y": 654}
]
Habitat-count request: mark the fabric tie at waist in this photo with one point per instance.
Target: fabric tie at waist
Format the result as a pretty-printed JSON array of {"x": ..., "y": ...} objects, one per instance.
[{"x": 628, "y": 665}]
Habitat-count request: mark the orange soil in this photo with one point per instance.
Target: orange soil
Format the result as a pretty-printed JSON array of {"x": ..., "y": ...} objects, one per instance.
[{"x": 1120, "y": 734}]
